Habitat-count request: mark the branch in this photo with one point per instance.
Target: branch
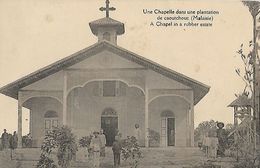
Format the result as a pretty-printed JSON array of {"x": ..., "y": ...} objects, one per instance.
[{"x": 253, "y": 7}]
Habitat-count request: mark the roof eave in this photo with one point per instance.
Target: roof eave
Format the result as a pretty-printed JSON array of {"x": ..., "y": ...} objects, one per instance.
[{"x": 13, "y": 88}]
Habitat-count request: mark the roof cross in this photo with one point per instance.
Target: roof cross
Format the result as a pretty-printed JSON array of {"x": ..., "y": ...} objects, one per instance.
[{"x": 107, "y": 8}]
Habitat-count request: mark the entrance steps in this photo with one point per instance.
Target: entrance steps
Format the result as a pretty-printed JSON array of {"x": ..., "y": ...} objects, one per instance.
[
  {"x": 173, "y": 157},
  {"x": 5, "y": 160}
]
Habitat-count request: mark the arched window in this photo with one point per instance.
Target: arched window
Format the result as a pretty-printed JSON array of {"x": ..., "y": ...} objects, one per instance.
[
  {"x": 167, "y": 113},
  {"x": 51, "y": 114},
  {"x": 51, "y": 120},
  {"x": 106, "y": 36},
  {"x": 109, "y": 112}
]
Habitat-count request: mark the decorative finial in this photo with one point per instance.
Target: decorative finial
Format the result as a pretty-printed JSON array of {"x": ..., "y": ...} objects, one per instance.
[{"x": 107, "y": 8}]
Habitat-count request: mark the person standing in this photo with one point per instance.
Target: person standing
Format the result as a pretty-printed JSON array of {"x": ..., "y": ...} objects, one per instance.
[
  {"x": 116, "y": 152},
  {"x": 30, "y": 140},
  {"x": 206, "y": 143},
  {"x": 103, "y": 143},
  {"x": 14, "y": 141},
  {"x": 95, "y": 145},
  {"x": 5, "y": 140},
  {"x": 213, "y": 146},
  {"x": 137, "y": 133},
  {"x": 222, "y": 139}
]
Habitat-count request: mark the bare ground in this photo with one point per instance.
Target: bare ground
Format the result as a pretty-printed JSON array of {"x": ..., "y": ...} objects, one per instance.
[{"x": 152, "y": 158}]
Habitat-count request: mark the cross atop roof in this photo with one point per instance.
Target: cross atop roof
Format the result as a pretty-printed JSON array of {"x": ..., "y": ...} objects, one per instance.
[{"x": 107, "y": 8}]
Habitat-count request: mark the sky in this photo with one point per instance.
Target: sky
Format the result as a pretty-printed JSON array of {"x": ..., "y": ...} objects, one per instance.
[{"x": 34, "y": 34}]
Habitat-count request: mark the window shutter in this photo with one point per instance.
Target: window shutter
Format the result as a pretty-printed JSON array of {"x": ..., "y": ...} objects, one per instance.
[
  {"x": 117, "y": 88},
  {"x": 100, "y": 83}
]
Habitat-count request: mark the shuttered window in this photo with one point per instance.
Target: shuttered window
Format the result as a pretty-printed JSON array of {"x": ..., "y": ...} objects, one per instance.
[{"x": 109, "y": 88}]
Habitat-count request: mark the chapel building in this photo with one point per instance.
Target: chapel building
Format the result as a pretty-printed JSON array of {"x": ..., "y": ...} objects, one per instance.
[{"x": 106, "y": 86}]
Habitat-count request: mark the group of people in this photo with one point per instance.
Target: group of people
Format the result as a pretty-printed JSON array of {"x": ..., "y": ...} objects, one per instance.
[
  {"x": 97, "y": 148},
  {"x": 98, "y": 143},
  {"x": 9, "y": 140},
  {"x": 214, "y": 142}
]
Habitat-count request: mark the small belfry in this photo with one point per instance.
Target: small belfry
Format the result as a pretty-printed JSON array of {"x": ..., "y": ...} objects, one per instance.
[{"x": 107, "y": 28}]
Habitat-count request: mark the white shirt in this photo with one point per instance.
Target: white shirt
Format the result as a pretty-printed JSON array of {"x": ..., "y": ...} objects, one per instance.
[{"x": 137, "y": 133}]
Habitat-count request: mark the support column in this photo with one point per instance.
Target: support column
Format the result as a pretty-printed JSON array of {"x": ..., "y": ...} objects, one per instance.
[
  {"x": 235, "y": 116},
  {"x": 64, "y": 114},
  {"x": 188, "y": 125},
  {"x": 19, "y": 131},
  {"x": 146, "y": 119},
  {"x": 192, "y": 125},
  {"x": 31, "y": 124}
]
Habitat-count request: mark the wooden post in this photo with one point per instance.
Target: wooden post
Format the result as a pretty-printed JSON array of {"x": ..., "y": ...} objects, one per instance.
[
  {"x": 235, "y": 116},
  {"x": 192, "y": 125},
  {"x": 146, "y": 119},
  {"x": 31, "y": 123},
  {"x": 19, "y": 131},
  {"x": 188, "y": 127},
  {"x": 64, "y": 114}
]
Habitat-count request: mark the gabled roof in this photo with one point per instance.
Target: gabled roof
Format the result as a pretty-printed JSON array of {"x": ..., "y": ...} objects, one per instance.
[
  {"x": 241, "y": 101},
  {"x": 200, "y": 89}
]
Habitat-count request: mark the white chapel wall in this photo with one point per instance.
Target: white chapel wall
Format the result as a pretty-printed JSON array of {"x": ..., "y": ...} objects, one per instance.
[
  {"x": 104, "y": 60},
  {"x": 39, "y": 106},
  {"x": 180, "y": 109},
  {"x": 52, "y": 82},
  {"x": 85, "y": 107}
]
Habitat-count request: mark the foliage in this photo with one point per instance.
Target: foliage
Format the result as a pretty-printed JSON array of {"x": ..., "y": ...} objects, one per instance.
[
  {"x": 230, "y": 136},
  {"x": 248, "y": 73},
  {"x": 204, "y": 128},
  {"x": 206, "y": 165},
  {"x": 67, "y": 146},
  {"x": 249, "y": 162},
  {"x": 85, "y": 141},
  {"x": 1, "y": 146},
  {"x": 253, "y": 6},
  {"x": 131, "y": 151},
  {"x": 154, "y": 138},
  {"x": 26, "y": 141},
  {"x": 229, "y": 127},
  {"x": 45, "y": 162},
  {"x": 244, "y": 152},
  {"x": 64, "y": 141}
]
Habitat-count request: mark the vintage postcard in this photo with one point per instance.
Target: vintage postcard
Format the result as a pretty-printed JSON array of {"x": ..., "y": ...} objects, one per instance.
[{"x": 117, "y": 83}]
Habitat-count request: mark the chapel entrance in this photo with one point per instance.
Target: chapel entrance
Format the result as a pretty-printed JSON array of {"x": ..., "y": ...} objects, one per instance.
[
  {"x": 171, "y": 131},
  {"x": 167, "y": 128},
  {"x": 109, "y": 123}
]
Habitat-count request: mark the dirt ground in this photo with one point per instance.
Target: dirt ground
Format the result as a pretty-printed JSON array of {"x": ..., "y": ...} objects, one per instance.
[
  {"x": 152, "y": 158},
  {"x": 166, "y": 158}
]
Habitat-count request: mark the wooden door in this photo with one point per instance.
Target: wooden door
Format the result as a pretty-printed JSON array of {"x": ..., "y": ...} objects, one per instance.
[
  {"x": 109, "y": 125},
  {"x": 163, "y": 132},
  {"x": 171, "y": 131}
]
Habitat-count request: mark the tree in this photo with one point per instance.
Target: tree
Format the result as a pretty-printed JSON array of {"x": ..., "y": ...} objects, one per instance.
[
  {"x": 203, "y": 128},
  {"x": 63, "y": 140},
  {"x": 131, "y": 151},
  {"x": 254, "y": 9},
  {"x": 229, "y": 127},
  {"x": 244, "y": 144},
  {"x": 247, "y": 75}
]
